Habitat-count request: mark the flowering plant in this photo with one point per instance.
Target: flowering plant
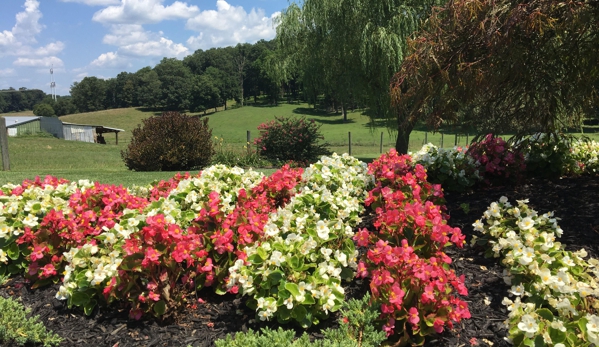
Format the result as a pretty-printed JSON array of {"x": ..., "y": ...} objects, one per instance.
[
  {"x": 555, "y": 290},
  {"x": 499, "y": 161},
  {"x": 452, "y": 168},
  {"x": 549, "y": 155},
  {"x": 28, "y": 214},
  {"x": 586, "y": 153},
  {"x": 409, "y": 272},
  {"x": 294, "y": 271}
]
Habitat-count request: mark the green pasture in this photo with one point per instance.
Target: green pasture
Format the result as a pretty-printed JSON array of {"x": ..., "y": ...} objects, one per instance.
[{"x": 32, "y": 156}]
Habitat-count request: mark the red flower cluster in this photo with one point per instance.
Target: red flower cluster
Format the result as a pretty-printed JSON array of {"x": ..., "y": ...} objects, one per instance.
[
  {"x": 225, "y": 234},
  {"x": 92, "y": 210},
  {"x": 501, "y": 162},
  {"x": 163, "y": 188},
  {"x": 408, "y": 270}
]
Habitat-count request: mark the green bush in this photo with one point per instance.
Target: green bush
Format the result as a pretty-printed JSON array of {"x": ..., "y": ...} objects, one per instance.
[
  {"x": 16, "y": 328},
  {"x": 171, "y": 142},
  {"x": 357, "y": 328},
  {"x": 291, "y": 139},
  {"x": 549, "y": 155}
]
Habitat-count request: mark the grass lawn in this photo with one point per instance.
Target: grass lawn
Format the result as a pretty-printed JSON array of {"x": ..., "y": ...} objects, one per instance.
[{"x": 32, "y": 156}]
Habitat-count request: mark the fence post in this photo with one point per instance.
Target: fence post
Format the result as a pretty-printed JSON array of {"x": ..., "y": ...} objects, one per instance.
[
  {"x": 4, "y": 144},
  {"x": 441, "y": 141},
  {"x": 425, "y": 137},
  {"x": 467, "y": 143},
  {"x": 381, "y": 148},
  {"x": 349, "y": 135},
  {"x": 249, "y": 137},
  {"x": 456, "y": 139}
]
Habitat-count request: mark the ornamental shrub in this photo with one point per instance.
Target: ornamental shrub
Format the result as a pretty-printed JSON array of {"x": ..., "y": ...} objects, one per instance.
[
  {"x": 171, "y": 142},
  {"x": 285, "y": 139},
  {"x": 549, "y": 155},
  {"x": 17, "y": 329},
  {"x": 356, "y": 329}
]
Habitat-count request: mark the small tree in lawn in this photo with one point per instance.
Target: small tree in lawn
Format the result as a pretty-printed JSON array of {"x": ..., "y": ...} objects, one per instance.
[
  {"x": 171, "y": 142},
  {"x": 291, "y": 139}
]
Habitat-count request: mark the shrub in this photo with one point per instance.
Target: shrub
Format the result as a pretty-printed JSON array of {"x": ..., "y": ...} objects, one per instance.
[
  {"x": 17, "y": 328},
  {"x": 296, "y": 139},
  {"x": 357, "y": 329},
  {"x": 499, "y": 161},
  {"x": 452, "y": 168},
  {"x": 171, "y": 142},
  {"x": 549, "y": 155},
  {"x": 246, "y": 157}
]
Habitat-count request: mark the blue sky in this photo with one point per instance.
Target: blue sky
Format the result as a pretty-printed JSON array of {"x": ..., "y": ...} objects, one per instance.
[{"x": 104, "y": 37}]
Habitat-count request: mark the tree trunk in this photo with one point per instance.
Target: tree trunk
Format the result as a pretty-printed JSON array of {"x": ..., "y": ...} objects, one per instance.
[
  {"x": 403, "y": 138},
  {"x": 344, "y": 112},
  {"x": 225, "y": 105}
]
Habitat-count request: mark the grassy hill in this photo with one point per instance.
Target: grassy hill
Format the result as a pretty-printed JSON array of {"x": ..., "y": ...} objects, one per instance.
[{"x": 31, "y": 156}]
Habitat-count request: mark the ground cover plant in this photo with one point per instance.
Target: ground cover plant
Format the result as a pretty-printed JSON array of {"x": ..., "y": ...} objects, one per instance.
[{"x": 261, "y": 237}]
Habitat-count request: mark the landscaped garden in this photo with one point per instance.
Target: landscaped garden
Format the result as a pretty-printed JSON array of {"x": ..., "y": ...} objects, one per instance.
[{"x": 495, "y": 255}]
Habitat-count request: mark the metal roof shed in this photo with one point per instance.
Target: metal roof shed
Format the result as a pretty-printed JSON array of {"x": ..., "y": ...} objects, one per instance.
[
  {"x": 88, "y": 132},
  {"x": 22, "y": 125}
]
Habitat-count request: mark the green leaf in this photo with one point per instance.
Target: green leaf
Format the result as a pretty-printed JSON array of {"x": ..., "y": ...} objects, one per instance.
[
  {"x": 262, "y": 253},
  {"x": 160, "y": 307},
  {"x": 13, "y": 251},
  {"x": 275, "y": 277},
  {"x": 546, "y": 314},
  {"x": 14, "y": 269},
  {"x": 557, "y": 336},
  {"x": 299, "y": 313},
  {"x": 292, "y": 288},
  {"x": 255, "y": 259},
  {"x": 295, "y": 263},
  {"x": 79, "y": 299},
  {"x": 89, "y": 308}
]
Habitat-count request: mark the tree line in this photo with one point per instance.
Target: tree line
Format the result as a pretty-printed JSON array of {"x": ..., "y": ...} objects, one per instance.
[{"x": 202, "y": 81}]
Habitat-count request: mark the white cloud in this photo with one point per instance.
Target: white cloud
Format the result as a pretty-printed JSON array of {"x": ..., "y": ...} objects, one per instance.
[
  {"x": 35, "y": 62},
  {"x": 126, "y": 34},
  {"x": 229, "y": 25},
  {"x": 160, "y": 48},
  {"x": 110, "y": 60},
  {"x": 80, "y": 76},
  {"x": 50, "y": 49},
  {"x": 144, "y": 12},
  {"x": 28, "y": 25},
  {"x": 7, "y": 72},
  {"x": 95, "y": 2},
  {"x": 133, "y": 40}
]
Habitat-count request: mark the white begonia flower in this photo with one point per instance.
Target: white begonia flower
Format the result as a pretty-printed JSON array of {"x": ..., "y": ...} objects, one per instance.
[
  {"x": 527, "y": 256},
  {"x": 327, "y": 253},
  {"x": 526, "y": 223},
  {"x": 517, "y": 290},
  {"x": 528, "y": 325},
  {"x": 322, "y": 230},
  {"x": 558, "y": 325},
  {"x": 289, "y": 303},
  {"x": 593, "y": 323},
  {"x": 276, "y": 258},
  {"x": 3, "y": 258},
  {"x": 566, "y": 260},
  {"x": 478, "y": 226}
]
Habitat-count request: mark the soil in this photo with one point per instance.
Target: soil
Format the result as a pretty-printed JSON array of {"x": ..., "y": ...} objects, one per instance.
[{"x": 574, "y": 200}]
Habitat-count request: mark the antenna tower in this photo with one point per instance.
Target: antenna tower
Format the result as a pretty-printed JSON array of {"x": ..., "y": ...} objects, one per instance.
[{"x": 52, "y": 83}]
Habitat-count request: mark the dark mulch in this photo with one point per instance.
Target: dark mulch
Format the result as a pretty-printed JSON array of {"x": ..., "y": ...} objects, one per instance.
[{"x": 575, "y": 200}]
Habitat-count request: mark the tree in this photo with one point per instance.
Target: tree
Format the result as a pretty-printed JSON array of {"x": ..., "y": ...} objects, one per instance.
[
  {"x": 64, "y": 106},
  {"x": 501, "y": 66},
  {"x": 43, "y": 110},
  {"x": 89, "y": 95},
  {"x": 350, "y": 49},
  {"x": 147, "y": 90},
  {"x": 205, "y": 93},
  {"x": 175, "y": 83}
]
